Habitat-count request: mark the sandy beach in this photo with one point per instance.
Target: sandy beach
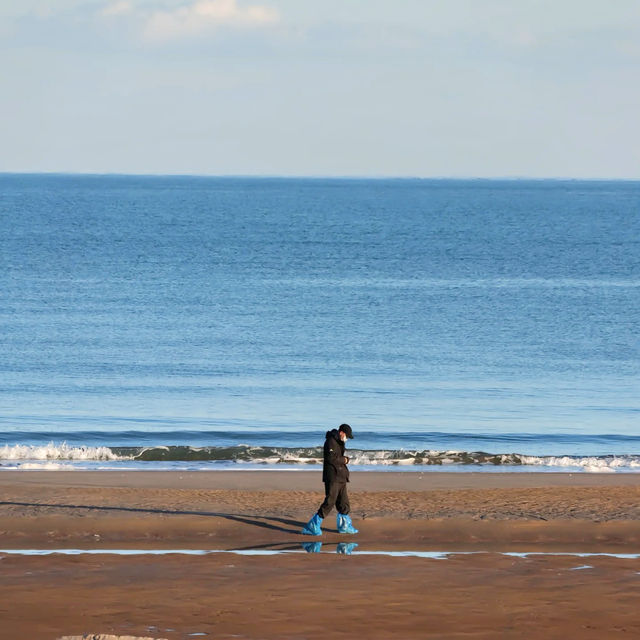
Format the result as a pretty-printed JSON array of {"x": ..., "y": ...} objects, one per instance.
[{"x": 303, "y": 595}]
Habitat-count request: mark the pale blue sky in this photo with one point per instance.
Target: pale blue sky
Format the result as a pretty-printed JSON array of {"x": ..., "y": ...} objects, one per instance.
[{"x": 339, "y": 87}]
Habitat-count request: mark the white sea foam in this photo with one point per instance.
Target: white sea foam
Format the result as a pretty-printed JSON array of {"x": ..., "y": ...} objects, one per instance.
[
  {"x": 54, "y": 451},
  {"x": 592, "y": 464},
  {"x": 43, "y": 466}
]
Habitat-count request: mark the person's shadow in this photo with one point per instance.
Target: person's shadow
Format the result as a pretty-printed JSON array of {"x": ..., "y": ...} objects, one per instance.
[
  {"x": 342, "y": 548},
  {"x": 273, "y": 523}
]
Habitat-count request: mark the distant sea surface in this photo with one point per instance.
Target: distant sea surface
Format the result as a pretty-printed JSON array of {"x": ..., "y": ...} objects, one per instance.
[{"x": 204, "y": 323}]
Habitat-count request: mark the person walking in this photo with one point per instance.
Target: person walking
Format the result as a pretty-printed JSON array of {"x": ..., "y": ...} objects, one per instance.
[{"x": 335, "y": 475}]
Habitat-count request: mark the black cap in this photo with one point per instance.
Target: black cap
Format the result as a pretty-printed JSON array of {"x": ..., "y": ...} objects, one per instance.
[{"x": 346, "y": 429}]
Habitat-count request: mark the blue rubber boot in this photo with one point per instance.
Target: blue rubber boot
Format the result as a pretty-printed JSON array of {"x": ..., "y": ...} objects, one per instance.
[
  {"x": 312, "y": 528},
  {"x": 345, "y": 525},
  {"x": 346, "y": 548},
  {"x": 312, "y": 547}
]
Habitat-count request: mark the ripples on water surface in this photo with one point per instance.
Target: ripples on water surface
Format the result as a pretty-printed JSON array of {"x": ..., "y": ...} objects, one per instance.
[{"x": 501, "y": 317}]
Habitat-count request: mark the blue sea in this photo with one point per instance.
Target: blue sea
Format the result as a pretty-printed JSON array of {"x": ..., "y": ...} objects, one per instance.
[{"x": 208, "y": 323}]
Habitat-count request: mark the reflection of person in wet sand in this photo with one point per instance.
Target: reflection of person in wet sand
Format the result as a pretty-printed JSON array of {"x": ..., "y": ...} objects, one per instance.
[
  {"x": 335, "y": 475},
  {"x": 342, "y": 548}
]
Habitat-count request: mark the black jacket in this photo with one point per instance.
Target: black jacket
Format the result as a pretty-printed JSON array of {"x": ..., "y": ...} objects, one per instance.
[{"x": 334, "y": 468}]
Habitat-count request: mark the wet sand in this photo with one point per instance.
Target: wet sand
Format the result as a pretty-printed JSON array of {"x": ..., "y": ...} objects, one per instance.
[
  {"x": 486, "y": 595},
  {"x": 320, "y": 596}
]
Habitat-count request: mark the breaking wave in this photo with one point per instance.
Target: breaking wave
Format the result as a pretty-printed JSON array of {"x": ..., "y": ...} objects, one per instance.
[
  {"x": 53, "y": 451},
  {"x": 32, "y": 456}
]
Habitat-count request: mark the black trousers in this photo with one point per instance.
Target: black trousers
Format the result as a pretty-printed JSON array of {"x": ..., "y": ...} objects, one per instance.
[{"x": 335, "y": 495}]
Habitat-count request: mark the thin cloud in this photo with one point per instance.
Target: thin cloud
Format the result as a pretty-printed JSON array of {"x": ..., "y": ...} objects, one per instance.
[
  {"x": 204, "y": 16},
  {"x": 117, "y": 8}
]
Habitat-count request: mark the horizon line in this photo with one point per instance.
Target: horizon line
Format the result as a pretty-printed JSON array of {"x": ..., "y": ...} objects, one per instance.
[{"x": 319, "y": 176}]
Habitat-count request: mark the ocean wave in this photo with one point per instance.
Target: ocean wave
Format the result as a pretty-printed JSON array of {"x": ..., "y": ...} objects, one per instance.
[
  {"x": 407, "y": 440},
  {"x": 29, "y": 455},
  {"x": 593, "y": 464},
  {"x": 54, "y": 451}
]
